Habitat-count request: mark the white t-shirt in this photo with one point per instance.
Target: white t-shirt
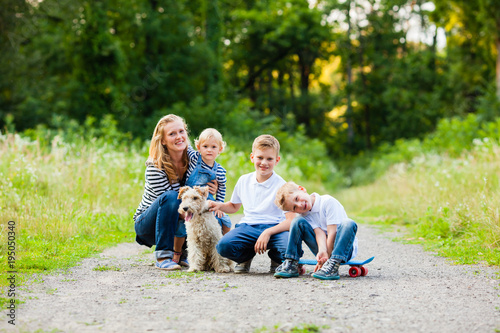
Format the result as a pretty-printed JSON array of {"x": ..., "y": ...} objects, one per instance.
[
  {"x": 327, "y": 211},
  {"x": 258, "y": 199}
]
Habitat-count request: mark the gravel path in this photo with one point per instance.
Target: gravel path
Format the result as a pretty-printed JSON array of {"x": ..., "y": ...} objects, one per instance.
[{"x": 406, "y": 290}]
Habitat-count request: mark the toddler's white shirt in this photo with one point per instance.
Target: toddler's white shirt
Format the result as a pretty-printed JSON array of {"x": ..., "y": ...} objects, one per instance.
[
  {"x": 326, "y": 211},
  {"x": 258, "y": 199}
]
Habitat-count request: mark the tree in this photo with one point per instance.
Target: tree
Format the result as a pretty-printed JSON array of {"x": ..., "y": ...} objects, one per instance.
[
  {"x": 389, "y": 81},
  {"x": 272, "y": 53},
  {"x": 473, "y": 44}
]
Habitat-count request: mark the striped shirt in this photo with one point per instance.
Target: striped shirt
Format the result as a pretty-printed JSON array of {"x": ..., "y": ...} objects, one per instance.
[
  {"x": 220, "y": 173},
  {"x": 156, "y": 184}
]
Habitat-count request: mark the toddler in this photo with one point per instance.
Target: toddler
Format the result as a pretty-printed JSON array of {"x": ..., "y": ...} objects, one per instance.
[{"x": 205, "y": 169}]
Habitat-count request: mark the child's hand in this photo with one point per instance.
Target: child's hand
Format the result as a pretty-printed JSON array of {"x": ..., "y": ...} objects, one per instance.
[
  {"x": 212, "y": 187},
  {"x": 214, "y": 206},
  {"x": 321, "y": 257},
  {"x": 261, "y": 244},
  {"x": 218, "y": 213}
]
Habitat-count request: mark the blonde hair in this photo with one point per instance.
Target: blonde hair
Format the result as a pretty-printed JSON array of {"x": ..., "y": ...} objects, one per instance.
[
  {"x": 266, "y": 141},
  {"x": 284, "y": 193},
  {"x": 158, "y": 153},
  {"x": 210, "y": 133}
]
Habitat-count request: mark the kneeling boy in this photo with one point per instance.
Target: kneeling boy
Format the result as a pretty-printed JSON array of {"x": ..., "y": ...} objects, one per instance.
[
  {"x": 263, "y": 226},
  {"x": 323, "y": 225}
]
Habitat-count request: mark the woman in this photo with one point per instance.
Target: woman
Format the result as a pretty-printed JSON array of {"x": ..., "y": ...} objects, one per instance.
[{"x": 156, "y": 218}]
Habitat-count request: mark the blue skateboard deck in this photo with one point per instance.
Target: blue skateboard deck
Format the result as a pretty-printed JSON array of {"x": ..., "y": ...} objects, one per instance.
[
  {"x": 356, "y": 266},
  {"x": 350, "y": 263}
]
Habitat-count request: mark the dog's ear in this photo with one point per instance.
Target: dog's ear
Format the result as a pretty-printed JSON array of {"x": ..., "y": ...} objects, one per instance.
[
  {"x": 202, "y": 190},
  {"x": 182, "y": 190}
]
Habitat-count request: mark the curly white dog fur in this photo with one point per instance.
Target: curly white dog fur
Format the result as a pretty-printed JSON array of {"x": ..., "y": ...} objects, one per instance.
[{"x": 203, "y": 232}]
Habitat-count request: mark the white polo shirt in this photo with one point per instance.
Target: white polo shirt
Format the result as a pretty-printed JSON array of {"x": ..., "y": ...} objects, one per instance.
[
  {"x": 327, "y": 211},
  {"x": 258, "y": 199}
]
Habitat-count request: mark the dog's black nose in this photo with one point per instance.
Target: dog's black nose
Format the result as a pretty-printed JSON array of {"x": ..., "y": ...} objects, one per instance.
[{"x": 185, "y": 209}]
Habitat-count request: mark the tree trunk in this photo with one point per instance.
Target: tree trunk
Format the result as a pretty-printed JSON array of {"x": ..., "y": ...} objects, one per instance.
[
  {"x": 498, "y": 67},
  {"x": 251, "y": 84},
  {"x": 270, "y": 89},
  {"x": 497, "y": 42},
  {"x": 366, "y": 107},
  {"x": 252, "y": 76},
  {"x": 305, "y": 70},
  {"x": 349, "y": 113},
  {"x": 213, "y": 35},
  {"x": 303, "y": 115}
]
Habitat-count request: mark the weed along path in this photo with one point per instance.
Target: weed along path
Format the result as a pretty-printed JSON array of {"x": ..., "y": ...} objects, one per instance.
[{"x": 406, "y": 290}]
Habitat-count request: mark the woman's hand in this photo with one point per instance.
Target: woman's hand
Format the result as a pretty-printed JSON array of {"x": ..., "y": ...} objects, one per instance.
[{"x": 212, "y": 187}]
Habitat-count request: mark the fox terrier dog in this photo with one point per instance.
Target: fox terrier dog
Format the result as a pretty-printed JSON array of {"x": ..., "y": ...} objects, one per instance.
[{"x": 203, "y": 232}]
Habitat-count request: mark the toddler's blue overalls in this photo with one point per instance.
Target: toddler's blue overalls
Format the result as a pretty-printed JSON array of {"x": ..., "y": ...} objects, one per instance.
[{"x": 201, "y": 177}]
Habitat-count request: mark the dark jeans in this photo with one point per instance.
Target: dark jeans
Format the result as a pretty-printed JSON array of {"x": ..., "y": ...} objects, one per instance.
[
  {"x": 157, "y": 224},
  {"x": 238, "y": 244}
]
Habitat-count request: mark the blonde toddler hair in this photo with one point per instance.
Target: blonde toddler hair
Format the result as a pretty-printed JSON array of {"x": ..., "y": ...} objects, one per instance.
[
  {"x": 284, "y": 193},
  {"x": 210, "y": 133},
  {"x": 266, "y": 141},
  {"x": 158, "y": 154}
]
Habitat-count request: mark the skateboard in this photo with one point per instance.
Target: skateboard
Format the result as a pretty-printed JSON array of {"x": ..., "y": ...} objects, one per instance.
[{"x": 356, "y": 266}]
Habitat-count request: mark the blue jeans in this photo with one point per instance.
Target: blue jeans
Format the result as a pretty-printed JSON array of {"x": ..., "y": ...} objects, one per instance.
[
  {"x": 301, "y": 230},
  {"x": 238, "y": 244},
  {"x": 201, "y": 177},
  {"x": 157, "y": 225}
]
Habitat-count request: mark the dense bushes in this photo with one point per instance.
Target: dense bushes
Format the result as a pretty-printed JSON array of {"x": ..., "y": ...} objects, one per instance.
[
  {"x": 445, "y": 188},
  {"x": 452, "y": 137}
]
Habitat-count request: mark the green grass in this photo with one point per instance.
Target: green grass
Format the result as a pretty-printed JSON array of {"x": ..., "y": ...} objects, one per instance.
[
  {"x": 104, "y": 268},
  {"x": 450, "y": 205},
  {"x": 71, "y": 200},
  {"x": 67, "y": 201},
  {"x": 301, "y": 328}
]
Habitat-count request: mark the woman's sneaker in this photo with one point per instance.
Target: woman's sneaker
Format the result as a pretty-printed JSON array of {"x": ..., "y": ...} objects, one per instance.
[
  {"x": 289, "y": 268},
  {"x": 329, "y": 271}
]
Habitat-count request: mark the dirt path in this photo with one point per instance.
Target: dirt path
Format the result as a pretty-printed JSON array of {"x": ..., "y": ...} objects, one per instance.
[{"x": 406, "y": 290}]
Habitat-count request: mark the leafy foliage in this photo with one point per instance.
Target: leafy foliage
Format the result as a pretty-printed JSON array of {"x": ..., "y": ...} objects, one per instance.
[
  {"x": 448, "y": 203},
  {"x": 453, "y": 137},
  {"x": 344, "y": 72},
  {"x": 341, "y": 84}
]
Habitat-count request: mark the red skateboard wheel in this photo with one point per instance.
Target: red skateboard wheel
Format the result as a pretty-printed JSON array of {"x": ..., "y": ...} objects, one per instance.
[
  {"x": 354, "y": 271},
  {"x": 364, "y": 271}
]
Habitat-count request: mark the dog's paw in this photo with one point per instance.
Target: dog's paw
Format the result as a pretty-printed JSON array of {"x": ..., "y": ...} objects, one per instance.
[{"x": 223, "y": 269}]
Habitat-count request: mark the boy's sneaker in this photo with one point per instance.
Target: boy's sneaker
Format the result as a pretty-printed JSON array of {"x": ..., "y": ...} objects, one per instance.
[
  {"x": 329, "y": 271},
  {"x": 243, "y": 267},
  {"x": 289, "y": 268},
  {"x": 274, "y": 265}
]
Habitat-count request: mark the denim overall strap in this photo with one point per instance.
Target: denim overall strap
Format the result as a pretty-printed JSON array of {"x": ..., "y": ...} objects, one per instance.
[{"x": 200, "y": 176}]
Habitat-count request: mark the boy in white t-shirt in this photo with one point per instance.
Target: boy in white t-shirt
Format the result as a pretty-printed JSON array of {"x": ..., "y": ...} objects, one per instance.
[
  {"x": 264, "y": 226},
  {"x": 323, "y": 225}
]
